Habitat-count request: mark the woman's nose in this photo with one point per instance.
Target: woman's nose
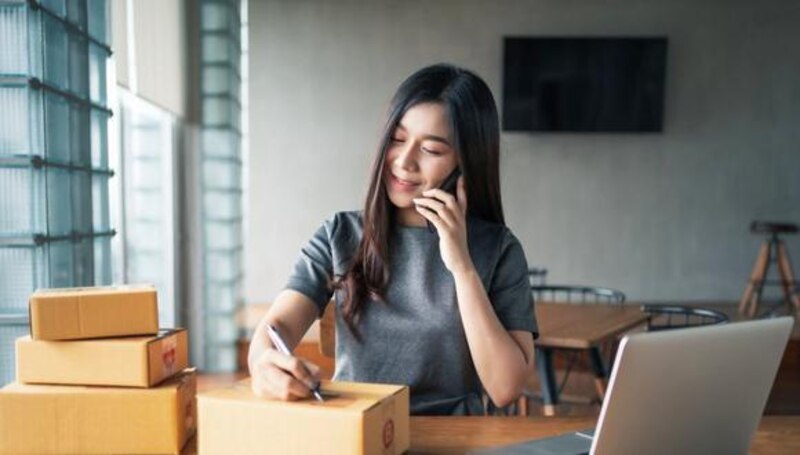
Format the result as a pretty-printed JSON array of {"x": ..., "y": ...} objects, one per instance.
[{"x": 406, "y": 156}]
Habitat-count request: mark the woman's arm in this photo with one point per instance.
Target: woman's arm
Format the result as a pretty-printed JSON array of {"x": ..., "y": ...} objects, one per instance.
[
  {"x": 276, "y": 374},
  {"x": 503, "y": 359}
]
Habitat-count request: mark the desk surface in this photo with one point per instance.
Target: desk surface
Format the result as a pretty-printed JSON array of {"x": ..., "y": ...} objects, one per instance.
[
  {"x": 452, "y": 435},
  {"x": 775, "y": 435},
  {"x": 581, "y": 326}
]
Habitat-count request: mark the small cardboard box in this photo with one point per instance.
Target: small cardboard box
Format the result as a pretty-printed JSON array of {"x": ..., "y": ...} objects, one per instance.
[
  {"x": 359, "y": 419},
  {"x": 80, "y": 313},
  {"x": 131, "y": 361},
  {"x": 46, "y": 419}
]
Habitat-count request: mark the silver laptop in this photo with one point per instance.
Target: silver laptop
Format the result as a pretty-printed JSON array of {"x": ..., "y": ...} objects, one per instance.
[{"x": 696, "y": 390}]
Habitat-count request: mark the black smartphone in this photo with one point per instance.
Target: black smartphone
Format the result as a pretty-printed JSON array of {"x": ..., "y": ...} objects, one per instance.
[{"x": 448, "y": 185}]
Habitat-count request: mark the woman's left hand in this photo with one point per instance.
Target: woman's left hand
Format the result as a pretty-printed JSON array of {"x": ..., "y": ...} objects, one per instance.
[{"x": 450, "y": 218}]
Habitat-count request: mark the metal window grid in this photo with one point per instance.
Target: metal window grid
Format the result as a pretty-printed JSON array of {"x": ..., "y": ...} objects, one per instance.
[{"x": 54, "y": 220}]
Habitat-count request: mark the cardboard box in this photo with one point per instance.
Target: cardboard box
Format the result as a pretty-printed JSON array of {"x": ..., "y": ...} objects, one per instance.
[
  {"x": 131, "y": 361},
  {"x": 361, "y": 419},
  {"x": 47, "y": 419},
  {"x": 80, "y": 313}
]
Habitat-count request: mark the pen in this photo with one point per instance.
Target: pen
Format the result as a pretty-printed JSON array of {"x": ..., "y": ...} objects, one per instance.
[{"x": 281, "y": 346}]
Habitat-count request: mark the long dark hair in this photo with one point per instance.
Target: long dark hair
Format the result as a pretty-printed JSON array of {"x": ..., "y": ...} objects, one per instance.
[{"x": 472, "y": 113}]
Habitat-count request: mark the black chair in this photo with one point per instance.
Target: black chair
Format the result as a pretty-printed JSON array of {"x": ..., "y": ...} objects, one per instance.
[
  {"x": 537, "y": 276},
  {"x": 544, "y": 356},
  {"x": 577, "y": 294},
  {"x": 666, "y": 317}
]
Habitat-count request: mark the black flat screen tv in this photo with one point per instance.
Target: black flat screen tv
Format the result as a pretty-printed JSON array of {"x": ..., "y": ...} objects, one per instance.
[{"x": 584, "y": 84}]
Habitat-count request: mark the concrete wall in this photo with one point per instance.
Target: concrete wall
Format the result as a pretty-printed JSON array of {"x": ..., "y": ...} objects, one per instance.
[{"x": 660, "y": 216}]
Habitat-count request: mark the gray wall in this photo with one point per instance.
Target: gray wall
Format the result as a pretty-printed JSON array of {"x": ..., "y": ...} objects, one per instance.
[{"x": 660, "y": 216}]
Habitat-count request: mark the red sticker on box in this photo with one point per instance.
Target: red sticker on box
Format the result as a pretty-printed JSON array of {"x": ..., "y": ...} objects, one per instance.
[
  {"x": 388, "y": 433},
  {"x": 169, "y": 354}
]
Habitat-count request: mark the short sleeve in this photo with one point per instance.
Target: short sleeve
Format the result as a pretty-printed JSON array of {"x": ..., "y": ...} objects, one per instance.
[
  {"x": 313, "y": 270},
  {"x": 510, "y": 291}
]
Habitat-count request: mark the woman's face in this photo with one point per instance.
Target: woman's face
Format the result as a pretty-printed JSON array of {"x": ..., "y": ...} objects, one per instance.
[{"x": 420, "y": 157}]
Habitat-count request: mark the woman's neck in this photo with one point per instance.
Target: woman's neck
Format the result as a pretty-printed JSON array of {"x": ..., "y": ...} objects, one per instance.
[{"x": 409, "y": 217}]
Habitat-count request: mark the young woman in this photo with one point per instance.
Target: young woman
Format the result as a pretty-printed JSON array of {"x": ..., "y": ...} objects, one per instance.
[{"x": 446, "y": 310}]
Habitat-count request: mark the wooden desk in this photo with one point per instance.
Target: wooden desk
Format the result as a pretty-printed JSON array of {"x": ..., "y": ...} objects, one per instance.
[
  {"x": 579, "y": 326},
  {"x": 775, "y": 434},
  {"x": 455, "y": 435}
]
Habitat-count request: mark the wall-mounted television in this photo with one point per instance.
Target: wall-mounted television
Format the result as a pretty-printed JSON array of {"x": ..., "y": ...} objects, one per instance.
[{"x": 570, "y": 84}]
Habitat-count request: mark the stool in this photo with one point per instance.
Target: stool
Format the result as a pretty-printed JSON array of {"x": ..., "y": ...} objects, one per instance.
[{"x": 772, "y": 250}]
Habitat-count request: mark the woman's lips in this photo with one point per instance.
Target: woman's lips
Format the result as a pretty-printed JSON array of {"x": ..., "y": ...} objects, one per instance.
[{"x": 402, "y": 185}]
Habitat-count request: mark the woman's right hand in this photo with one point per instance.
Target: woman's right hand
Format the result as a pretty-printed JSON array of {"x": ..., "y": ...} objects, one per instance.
[{"x": 282, "y": 376}]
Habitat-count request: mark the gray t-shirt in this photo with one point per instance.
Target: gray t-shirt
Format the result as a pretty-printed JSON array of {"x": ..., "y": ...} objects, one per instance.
[{"x": 416, "y": 337}]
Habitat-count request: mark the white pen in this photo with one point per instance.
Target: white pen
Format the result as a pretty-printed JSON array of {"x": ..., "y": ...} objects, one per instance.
[{"x": 281, "y": 346}]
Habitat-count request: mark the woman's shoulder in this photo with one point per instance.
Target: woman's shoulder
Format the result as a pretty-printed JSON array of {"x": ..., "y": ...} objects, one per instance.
[
  {"x": 344, "y": 223},
  {"x": 490, "y": 243},
  {"x": 346, "y": 218},
  {"x": 482, "y": 230}
]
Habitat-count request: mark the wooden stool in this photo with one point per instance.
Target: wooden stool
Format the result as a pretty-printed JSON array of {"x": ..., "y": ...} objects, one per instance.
[{"x": 772, "y": 250}]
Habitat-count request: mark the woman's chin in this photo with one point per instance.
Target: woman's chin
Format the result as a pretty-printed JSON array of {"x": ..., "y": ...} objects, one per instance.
[
  {"x": 403, "y": 204},
  {"x": 402, "y": 201}
]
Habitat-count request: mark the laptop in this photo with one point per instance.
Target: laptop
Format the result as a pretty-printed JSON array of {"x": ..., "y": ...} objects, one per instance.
[{"x": 695, "y": 390}]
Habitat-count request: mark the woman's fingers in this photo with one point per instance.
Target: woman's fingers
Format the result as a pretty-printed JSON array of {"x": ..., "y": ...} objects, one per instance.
[
  {"x": 285, "y": 386},
  {"x": 439, "y": 208},
  {"x": 461, "y": 191},
  {"x": 314, "y": 370},
  {"x": 448, "y": 199},
  {"x": 293, "y": 366},
  {"x": 431, "y": 216},
  {"x": 283, "y": 376},
  {"x": 273, "y": 382}
]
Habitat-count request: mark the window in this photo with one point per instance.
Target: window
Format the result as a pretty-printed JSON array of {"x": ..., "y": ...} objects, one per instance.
[
  {"x": 54, "y": 173},
  {"x": 221, "y": 181},
  {"x": 145, "y": 205}
]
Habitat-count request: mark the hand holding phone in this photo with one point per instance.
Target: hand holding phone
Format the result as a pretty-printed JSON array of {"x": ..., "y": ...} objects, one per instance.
[{"x": 449, "y": 185}]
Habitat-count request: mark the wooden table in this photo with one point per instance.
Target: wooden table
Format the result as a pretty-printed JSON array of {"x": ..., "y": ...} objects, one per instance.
[
  {"x": 579, "y": 326},
  {"x": 775, "y": 434},
  {"x": 582, "y": 326},
  {"x": 455, "y": 435}
]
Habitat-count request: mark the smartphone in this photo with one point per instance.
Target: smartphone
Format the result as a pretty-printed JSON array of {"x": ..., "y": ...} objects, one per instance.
[{"x": 448, "y": 185}]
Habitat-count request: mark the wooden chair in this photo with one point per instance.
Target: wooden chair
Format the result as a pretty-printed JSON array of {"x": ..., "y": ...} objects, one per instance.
[
  {"x": 573, "y": 294},
  {"x": 666, "y": 317},
  {"x": 327, "y": 331}
]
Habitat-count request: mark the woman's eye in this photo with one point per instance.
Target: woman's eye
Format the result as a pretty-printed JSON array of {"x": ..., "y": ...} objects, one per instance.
[
  {"x": 431, "y": 151},
  {"x": 397, "y": 139}
]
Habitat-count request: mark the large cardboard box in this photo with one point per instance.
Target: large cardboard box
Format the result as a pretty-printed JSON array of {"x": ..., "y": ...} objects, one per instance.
[
  {"x": 361, "y": 419},
  {"x": 130, "y": 361},
  {"x": 80, "y": 313},
  {"x": 46, "y": 419}
]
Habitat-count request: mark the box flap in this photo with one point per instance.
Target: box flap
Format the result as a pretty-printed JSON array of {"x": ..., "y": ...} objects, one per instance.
[{"x": 349, "y": 396}]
